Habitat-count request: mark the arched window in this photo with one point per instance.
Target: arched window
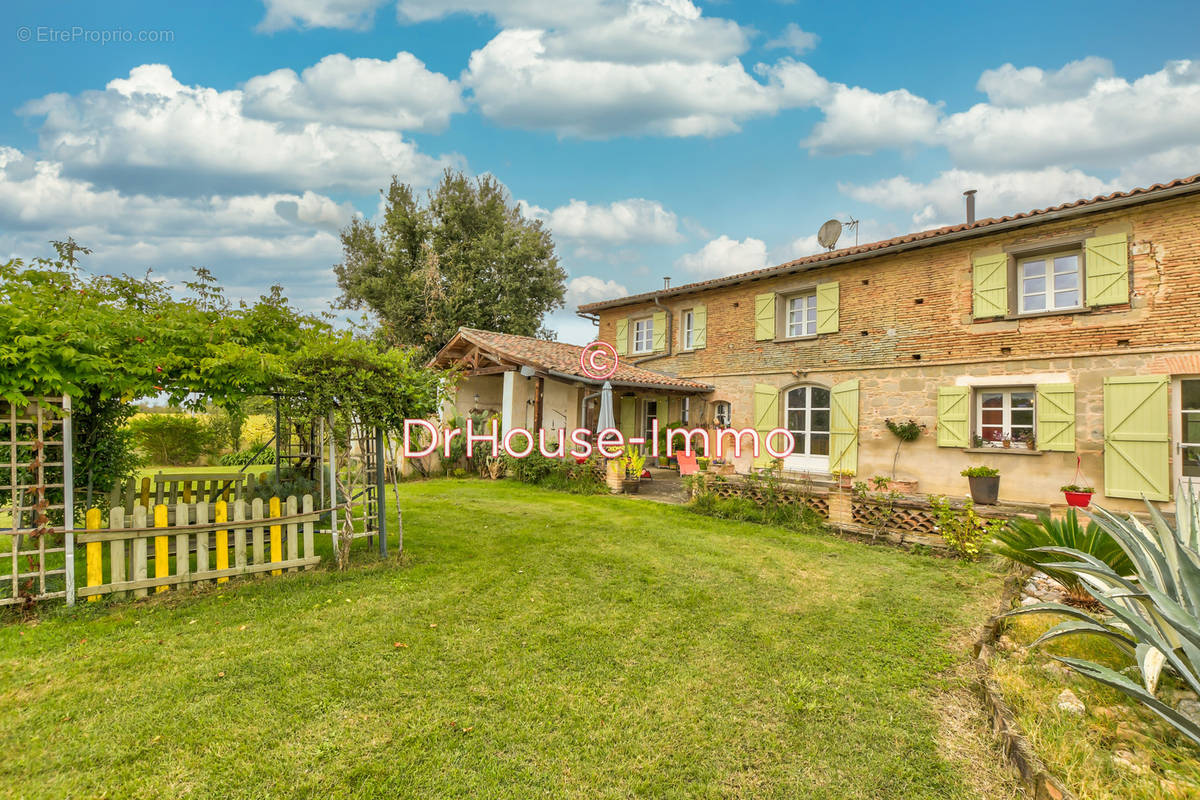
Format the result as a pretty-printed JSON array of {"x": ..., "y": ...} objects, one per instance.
[
  {"x": 806, "y": 415},
  {"x": 722, "y": 414}
]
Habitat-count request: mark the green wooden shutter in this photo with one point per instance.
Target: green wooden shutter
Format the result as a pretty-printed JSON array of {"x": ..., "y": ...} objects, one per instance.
[
  {"x": 827, "y": 307},
  {"x": 989, "y": 285},
  {"x": 699, "y": 327},
  {"x": 1137, "y": 444},
  {"x": 766, "y": 418},
  {"x": 1106, "y": 264},
  {"x": 1056, "y": 416},
  {"x": 660, "y": 331},
  {"x": 843, "y": 426},
  {"x": 628, "y": 423},
  {"x": 954, "y": 417},
  {"x": 622, "y": 345},
  {"x": 764, "y": 316}
]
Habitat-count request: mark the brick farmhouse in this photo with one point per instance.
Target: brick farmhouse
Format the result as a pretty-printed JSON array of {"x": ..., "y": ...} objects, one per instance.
[{"x": 1060, "y": 345}]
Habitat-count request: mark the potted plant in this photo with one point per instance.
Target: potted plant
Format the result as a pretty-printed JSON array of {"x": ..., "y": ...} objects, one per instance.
[
  {"x": 905, "y": 430},
  {"x": 1078, "y": 496},
  {"x": 985, "y": 484},
  {"x": 702, "y": 463},
  {"x": 1026, "y": 439},
  {"x": 625, "y": 472},
  {"x": 844, "y": 477}
]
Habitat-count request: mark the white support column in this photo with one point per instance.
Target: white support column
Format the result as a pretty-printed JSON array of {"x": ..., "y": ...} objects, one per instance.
[{"x": 507, "y": 422}]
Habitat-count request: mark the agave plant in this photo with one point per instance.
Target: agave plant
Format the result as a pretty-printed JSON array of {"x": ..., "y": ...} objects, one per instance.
[
  {"x": 1023, "y": 539},
  {"x": 1153, "y": 614}
]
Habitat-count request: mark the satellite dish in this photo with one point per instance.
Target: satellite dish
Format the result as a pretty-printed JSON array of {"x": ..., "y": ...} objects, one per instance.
[{"x": 828, "y": 235}]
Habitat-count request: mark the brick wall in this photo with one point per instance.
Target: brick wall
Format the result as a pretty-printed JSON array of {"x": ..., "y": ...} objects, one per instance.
[
  {"x": 883, "y": 328},
  {"x": 882, "y": 322}
]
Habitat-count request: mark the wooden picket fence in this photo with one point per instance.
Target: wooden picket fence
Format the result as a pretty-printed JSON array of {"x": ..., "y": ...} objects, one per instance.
[{"x": 183, "y": 553}]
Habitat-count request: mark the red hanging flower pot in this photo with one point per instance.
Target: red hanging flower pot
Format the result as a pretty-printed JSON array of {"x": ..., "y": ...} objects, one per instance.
[{"x": 1078, "y": 496}]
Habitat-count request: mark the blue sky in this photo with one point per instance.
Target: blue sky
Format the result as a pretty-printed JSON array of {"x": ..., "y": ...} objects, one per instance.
[{"x": 654, "y": 137}]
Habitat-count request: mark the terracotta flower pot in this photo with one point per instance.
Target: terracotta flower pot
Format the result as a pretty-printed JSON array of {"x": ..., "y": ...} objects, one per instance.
[{"x": 1079, "y": 499}]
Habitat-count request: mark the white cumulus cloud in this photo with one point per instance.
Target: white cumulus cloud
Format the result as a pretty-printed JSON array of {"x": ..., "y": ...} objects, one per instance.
[
  {"x": 794, "y": 38},
  {"x": 632, "y": 220},
  {"x": 151, "y": 130},
  {"x": 345, "y": 14},
  {"x": 725, "y": 256},
  {"x": 590, "y": 289},
  {"x": 357, "y": 92}
]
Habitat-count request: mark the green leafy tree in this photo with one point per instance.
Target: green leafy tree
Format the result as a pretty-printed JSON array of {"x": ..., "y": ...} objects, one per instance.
[{"x": 466, "y": 256}]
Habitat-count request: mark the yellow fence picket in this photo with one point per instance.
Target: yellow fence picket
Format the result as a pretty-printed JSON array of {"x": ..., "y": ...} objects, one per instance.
[
  {"x": 116, "y": 550},
  {"x": 256, "y": 513},
  {"x": 308, "y": 527},
  {"x": 276, "y": 534},
  {"x": 202, "y": 539},
  {"x": 95, "y": 552},
  {"x": 162, "y": 547},
  {"x": 222, "y": 515},
  {"x": 239, "y": 534},
  {"x": 293, "y": 531},
  {"x": 276, "y": 518},
  {"x": 139, "y": 550}
]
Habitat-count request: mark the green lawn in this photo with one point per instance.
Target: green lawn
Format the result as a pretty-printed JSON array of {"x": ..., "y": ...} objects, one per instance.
[{"x": 551, "y": 646}]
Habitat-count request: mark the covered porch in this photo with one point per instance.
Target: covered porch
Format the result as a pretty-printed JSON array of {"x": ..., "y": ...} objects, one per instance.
[{"x": 537, "y": 384}]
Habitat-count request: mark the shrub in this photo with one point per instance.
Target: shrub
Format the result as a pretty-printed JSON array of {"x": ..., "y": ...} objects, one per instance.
[
  {"x": 962, "y": 528},
  {"x": 171, "y": 439},
  {"x": 291, "y": 482},
  {"x": 1153, "y": 615},
  {"x": 981, "y": 472},
  {"x": 257, "y": 453},
  {"x": 1070, "y": 487},
  {"x": 555, "y": 473},
  {"x": 1022, "y": 539}
]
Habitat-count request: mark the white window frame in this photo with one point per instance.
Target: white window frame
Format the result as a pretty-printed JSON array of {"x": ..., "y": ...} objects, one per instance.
[
  {"x": 800, "y": 312},
  {"x": 717, "y": 416},
  {"x": 687, "y": 329},
  {"x": 685, "y": 409},
  {"x": 1048, "y": 276},
  {"x": 648, "y": 432},
  {"x": 643, "y": 335},
  {"x": 804, "y": 434},
  {"x": 1006, "y": 425},
  {"x": 1179, "y": 411}
]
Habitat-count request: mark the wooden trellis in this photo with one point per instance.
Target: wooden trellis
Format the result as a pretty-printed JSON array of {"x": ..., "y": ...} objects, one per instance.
[{"x": 37, "y": 561}]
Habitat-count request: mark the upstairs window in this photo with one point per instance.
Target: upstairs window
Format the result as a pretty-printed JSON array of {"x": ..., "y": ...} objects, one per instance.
[
  {"x": 689, "y": 330},
  {"x": 643, "y": 335},
  {"x": 1004, "y": 414},
  {"x": 802, "y": 315},
  {"x": 1050, "y": 283}
]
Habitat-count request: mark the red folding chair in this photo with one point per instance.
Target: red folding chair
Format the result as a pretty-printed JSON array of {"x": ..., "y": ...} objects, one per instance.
[{"x": 687, "y": 463}]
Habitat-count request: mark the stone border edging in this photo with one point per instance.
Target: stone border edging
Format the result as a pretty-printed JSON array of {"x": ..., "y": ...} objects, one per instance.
[{"x": 1033, "y": 773}]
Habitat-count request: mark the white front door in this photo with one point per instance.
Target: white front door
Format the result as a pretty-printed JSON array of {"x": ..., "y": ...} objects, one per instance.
[
  {"x": 806, "y": 415},
  {"x": 1187, "y": 430}
]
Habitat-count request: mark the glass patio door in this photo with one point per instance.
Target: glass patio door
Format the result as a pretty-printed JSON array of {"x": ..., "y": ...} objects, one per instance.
[{"x": 806, "y": 411}]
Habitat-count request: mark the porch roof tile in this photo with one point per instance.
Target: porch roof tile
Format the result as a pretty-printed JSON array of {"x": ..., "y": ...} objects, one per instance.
[{"x": 563, "y": 359}]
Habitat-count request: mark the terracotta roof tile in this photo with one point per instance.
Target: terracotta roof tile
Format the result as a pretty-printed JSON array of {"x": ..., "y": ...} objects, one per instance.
[
  {"x": 563, "y": 358},
  {"x": 923, "y": 238}
]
